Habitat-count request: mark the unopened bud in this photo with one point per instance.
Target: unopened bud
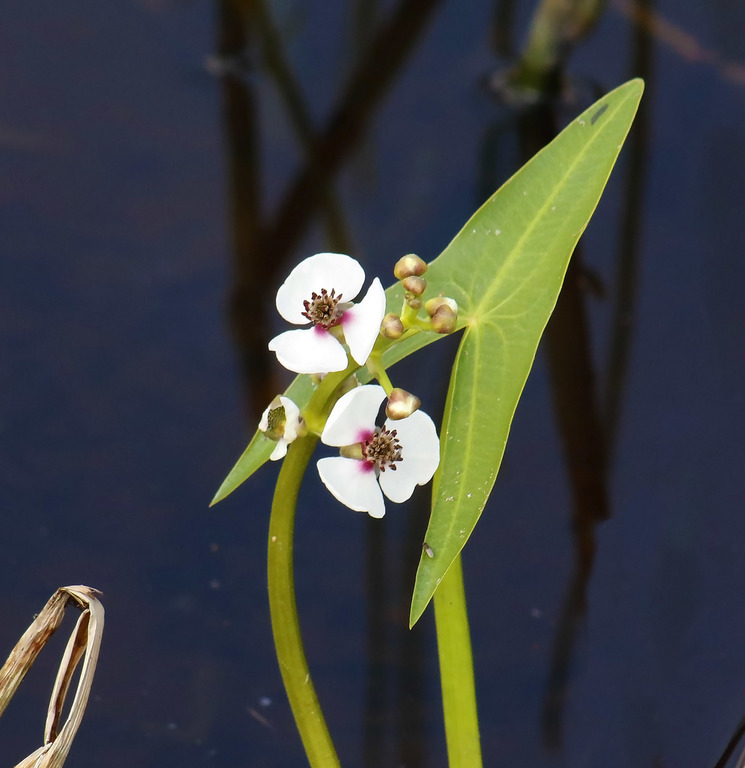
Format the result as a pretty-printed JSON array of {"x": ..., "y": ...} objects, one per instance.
[
  {"x": 414, "y": 303},
  {"x": 408, "y": 266},
  {"x": 282, "y": 423},
  {"x": 401, "y": 404},
  {"x": 444, "y": 319},
  {"x": 274, "y": 420},
  {"x": 391, "y": 327},
  {"x": 414, "y": 285},
  {"x": 439, "y": 301}
]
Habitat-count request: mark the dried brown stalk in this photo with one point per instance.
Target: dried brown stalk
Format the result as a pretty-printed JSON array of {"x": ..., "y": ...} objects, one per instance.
[{"x": 84, "y": 643}]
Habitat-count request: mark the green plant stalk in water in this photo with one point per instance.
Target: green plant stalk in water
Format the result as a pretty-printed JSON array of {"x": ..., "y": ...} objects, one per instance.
[
  {"x": 285, "y": 625},
  {"x": 456, "y": 671}
]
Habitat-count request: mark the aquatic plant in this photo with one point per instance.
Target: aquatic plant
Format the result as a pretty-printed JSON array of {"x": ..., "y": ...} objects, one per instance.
[{"x": 497, "y": 282}]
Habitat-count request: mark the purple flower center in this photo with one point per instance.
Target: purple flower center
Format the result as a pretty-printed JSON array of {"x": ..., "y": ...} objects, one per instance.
[
  {"x": 323, "y": 310},
  {"x": 382, "y": 450}
]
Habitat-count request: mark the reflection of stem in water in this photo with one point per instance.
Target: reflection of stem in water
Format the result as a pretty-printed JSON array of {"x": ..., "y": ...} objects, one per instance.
[
  {"x": 568, "y": 347},
  {"x": 630, "y": 235},
  {"x": 501, "y": 28},
  {"x": 252, "y": 270},
  {"x": 276, "y": 64},
  {"x": 570, "y": 620},
  {"x": 367, "y": 84},
  {"x": 555, "y": 27}
]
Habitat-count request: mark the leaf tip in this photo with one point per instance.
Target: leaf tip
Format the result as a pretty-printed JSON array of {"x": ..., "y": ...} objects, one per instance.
[
  {"x": 219, "y": 496},
  {"x": 421, "y": 597},
  {"x": 416, "y": 613}
]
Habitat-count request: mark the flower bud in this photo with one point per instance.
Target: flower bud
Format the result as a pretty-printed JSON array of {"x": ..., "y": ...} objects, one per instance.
[
  {"x": 444, "y": 319},
  {"x": 273, "y": 420},
  {"x": 414, "y": 303},
  {"x": 408, "y": 266},
  {"x": 414, "y": 285},
  {"x": 282, "y": 423},
  {"x": 438, "y": 301},
  {"x": 401, "y": 404},
  {"x": 392, "y": 327}
]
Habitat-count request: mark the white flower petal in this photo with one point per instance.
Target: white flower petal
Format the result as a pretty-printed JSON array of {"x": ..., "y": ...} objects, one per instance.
[
  {"x": 264, "y": 421},
  {"x": 420, "y": 455},
  {"x": 399, "y": 485},
  {"x": 280, "y": 450},
  {"x": 361, "y": 323},
  {"x": 352, "y": 419},
  {"x": 332, "y": 271},
  {"x": 292, "y": 419},
  {"x": 353, "y": 484},
  {"x": 309, "y": 350}
]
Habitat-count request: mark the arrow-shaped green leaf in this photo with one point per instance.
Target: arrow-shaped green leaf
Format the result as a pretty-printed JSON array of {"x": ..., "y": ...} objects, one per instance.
[{"x": 505, "y": 269}]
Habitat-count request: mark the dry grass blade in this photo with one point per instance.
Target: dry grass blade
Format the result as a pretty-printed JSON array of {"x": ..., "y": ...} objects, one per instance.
[{"x": 84, "y": 643}]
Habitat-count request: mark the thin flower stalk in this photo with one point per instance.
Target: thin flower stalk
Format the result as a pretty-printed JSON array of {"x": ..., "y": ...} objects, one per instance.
[{"x": 288, "y": 642}]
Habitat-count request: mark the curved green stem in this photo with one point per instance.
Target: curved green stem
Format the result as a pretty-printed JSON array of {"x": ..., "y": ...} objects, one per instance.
[
  {"x": 456, "y": 671},
  {"x": 285, "y": 625}
]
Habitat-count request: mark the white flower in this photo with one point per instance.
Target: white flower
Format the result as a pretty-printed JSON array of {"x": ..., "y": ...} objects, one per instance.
[
  {"x": 282, "y": 422},
  {"x": 319, "y": 290},
  {"x": 395, "y": 458}
]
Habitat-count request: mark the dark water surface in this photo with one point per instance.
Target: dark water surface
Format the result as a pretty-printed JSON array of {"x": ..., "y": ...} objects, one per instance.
[{"x": 154, "y": 192}]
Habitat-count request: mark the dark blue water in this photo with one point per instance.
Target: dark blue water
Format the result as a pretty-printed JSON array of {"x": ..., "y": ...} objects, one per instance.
[{"x": 147, "y": 214}]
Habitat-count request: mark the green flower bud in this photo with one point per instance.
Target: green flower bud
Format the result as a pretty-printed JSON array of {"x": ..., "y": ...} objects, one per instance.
[
  {"x": 401, "y": 404},
  {"x": 408, "y": 266},
  {"x": 391, "y": 327},
  {"x": 414, "y": 285}
]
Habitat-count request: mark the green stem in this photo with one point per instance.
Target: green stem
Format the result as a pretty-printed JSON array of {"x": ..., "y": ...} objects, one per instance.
[
  {"x": 456, "y": 671},
  {"x": 285, "y": 625},
  {"x": 408, "y": 315},
  {"x": 375, "y": 366}
]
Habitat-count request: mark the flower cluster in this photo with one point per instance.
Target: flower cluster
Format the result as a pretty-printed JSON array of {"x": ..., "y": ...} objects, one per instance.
[{"x": 376, "y": 460}]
